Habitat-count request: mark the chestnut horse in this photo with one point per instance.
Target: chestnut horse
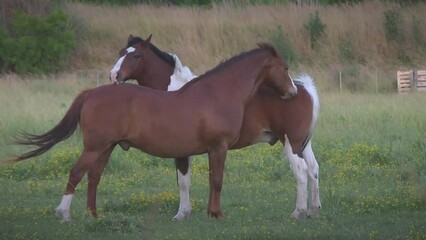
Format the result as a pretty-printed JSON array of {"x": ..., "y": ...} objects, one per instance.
[
  {"x": 148, "y": 119},
  {"x": 267, "y": 118}
]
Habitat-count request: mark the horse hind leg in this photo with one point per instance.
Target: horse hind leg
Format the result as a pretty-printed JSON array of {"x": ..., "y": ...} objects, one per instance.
[
  {"x": 313, "y": 173},
  {"x": 85, "y": 161},
  {"x": 94, "y": 176},
  {"x": 183, "y": 168},
  {"x": 300, "y": 170}
]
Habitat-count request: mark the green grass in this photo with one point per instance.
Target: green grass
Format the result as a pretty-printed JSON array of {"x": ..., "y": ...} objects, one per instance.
[{"x": 371, "y": 150}]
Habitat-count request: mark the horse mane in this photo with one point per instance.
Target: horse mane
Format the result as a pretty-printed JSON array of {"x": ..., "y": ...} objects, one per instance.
[
  {"x": 163, "y": 55},
  {"x": 225, "y": 63}
]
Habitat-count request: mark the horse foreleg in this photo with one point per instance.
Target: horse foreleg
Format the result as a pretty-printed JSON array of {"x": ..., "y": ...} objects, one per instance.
[
  {"x": 300, "y": 170},
  {"x": 313, "y": 173},
  {"x": 85, "y": 161},
  {"x": 216, "y": 168},
  {"x": 183, "y": 168},
  {"x": 94, "y": 176}
]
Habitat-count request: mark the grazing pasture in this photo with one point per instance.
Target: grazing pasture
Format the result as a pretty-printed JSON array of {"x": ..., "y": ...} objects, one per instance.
[{"x": 371, "y": 150}]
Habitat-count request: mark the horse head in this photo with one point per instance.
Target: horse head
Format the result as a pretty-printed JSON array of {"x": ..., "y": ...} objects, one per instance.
[
  {"x": 132, "y": 60},
  {"x": 276, "y": 73}
]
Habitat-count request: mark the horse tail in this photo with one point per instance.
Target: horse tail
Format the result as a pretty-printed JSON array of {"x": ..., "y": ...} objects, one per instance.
[
  {"x": 309, "y": 85},
  {"x": 62, "y": 131}
]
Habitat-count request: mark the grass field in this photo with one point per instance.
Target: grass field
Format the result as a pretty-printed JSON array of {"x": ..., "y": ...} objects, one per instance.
[{"x": 371, "y": 150}]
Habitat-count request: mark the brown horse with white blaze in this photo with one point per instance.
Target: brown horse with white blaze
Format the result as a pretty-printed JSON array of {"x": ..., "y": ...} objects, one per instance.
[
  {"x": 267, "y": 118},
  {"x": 147, "y": 119}
]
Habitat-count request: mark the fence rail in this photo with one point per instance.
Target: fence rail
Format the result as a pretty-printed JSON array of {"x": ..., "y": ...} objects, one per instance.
[{"x": 412, "y": 80}]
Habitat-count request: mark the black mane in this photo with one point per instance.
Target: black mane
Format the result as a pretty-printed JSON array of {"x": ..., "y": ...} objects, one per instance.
[{"x": 163, "y": 55}]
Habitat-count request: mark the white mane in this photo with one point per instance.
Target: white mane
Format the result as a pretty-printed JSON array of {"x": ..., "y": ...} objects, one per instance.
[
  {"x": 181, "y": 75},
  {"x": 308, "y": 82}
]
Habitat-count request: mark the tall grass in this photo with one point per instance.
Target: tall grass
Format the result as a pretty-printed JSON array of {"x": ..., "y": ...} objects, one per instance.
[{"x": 202, "y": 37}]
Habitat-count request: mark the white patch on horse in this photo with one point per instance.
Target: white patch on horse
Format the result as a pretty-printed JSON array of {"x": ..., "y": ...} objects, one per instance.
[
  {"x": 117, "y": 66},
  {"x": 300, "y": 170},
  {"x": 313, "y": 173},
  {"x": 63, "y": 210},
  {"x": 181, "y": 75},
  {"x": 184, "y": 182}
]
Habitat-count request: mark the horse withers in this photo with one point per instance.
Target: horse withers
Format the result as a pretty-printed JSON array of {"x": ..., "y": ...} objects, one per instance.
[
  {"x": 147, "y": 119},
  {"x": 267, "y": 119}
]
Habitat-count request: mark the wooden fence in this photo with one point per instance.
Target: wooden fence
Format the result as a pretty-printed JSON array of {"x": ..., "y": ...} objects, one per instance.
[{"x": 410, "y": 81}]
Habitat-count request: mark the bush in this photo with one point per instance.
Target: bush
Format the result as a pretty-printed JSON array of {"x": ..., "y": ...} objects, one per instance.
[
  {"x": 281, "y": 42},
  {"x": 346, "y": 49},
  {"x": 40, "y": 44},
  {"x": 417, "y": 34},
  {"x": 315, "y": 27},
  {"x": 393, "y": 23}
]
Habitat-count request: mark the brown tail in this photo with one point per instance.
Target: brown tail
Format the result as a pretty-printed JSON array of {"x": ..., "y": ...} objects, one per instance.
[{"x": 62, "y": 131}]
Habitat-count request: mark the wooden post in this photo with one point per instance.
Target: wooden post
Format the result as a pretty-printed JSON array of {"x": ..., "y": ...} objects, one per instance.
[{"x": 376, "y": 81}]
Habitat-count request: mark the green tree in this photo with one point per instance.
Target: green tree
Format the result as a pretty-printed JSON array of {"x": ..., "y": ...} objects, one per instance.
[{"x": 40, "y": 44}]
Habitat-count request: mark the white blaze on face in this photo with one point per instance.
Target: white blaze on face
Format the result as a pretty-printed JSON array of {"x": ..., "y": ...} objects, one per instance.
[
  {"x": 117, "y": 66},
  {"x": 292, "y": 82}
]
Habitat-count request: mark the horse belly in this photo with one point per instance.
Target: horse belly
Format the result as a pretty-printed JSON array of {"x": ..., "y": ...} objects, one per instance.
[
  {"x": 164, "y": 139},
  {"x": 167, "y": 148}
]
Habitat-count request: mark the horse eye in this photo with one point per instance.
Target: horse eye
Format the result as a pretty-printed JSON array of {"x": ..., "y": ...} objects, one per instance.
[{"x": 137, "y": 56}]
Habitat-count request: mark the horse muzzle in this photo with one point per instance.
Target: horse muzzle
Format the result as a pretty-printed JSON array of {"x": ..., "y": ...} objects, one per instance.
[
  {"x": 289, "y": 95},
  {"x": 116, "y": 79}
]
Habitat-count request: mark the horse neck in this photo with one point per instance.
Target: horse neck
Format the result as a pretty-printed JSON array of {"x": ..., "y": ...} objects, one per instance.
[
  {"x": 242, "y": 78},
  {"x": 250, "y": 79},
  {"x": 157, "y": 73}
]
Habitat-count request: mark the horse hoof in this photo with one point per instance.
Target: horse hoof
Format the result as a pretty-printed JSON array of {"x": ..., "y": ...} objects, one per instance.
[
  {"x": 180, "y": 216},
  {"x": 217, "y": 215},
  {"x": 300, "y": 214},
  {"x": 63, "y": 214},
  {"x": 314, "y": 212}
]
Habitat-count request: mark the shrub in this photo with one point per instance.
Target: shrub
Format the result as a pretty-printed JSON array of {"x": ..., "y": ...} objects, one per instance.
[
  {"x": 393, "y": 23},
  {"x": 40, "y": 44},
  {"x": 417, "y": 33},
  {"x": 315, "y": 27},
  {"x": 281, "y": 42},
  {"x": 346, "y": 49}
]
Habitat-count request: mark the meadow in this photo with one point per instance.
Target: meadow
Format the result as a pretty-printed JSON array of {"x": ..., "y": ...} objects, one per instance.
[
  {"x": 370, "y": 143},
  {"x": 371, "y": 150}
]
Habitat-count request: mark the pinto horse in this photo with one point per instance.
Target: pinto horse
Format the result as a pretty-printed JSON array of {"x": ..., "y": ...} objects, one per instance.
[
  {"x": 267, "y": 119},
  {"x": 133, "y": 116}
]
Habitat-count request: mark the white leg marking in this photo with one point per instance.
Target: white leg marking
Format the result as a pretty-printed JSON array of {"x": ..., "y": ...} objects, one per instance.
[
  {"x": 63, "y": 210},
  {"x": 313, "y": 170},
  {"x": 184, "y": 182},
  {"x": 300, "y": 170}
]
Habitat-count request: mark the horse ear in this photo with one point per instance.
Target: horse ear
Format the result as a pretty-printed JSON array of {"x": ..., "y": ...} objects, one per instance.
[
  {"x": 130, "y": 38},
  {"x": 270, "y": 48},
  {"x": 145, "y": 44}
]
